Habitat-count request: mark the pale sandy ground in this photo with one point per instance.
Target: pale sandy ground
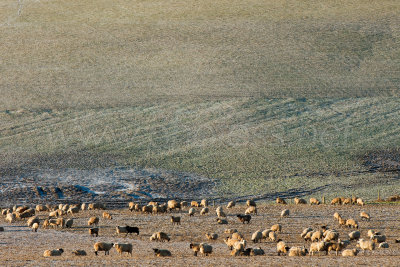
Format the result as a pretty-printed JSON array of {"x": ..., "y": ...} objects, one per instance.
[{"x": 21, "y": 247}]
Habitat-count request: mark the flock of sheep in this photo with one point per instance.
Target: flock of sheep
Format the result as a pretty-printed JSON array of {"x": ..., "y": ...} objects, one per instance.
[{"x": 323, "y": 239}]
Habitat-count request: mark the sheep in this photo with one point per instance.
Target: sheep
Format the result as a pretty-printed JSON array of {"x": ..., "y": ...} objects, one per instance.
[
  {"x": 93, "y": 220},
  {"x": 205, "y": 249},
  {"x": 192, "y": 211},
  {"x": 32, "y": 220},
  {"x": 68, "y": 223},
  {"x": 220, "y": 212},
  {"x": 204, "y": 203},
  {"x": 107, "y": 215},
  {"x": 83, "y": 206},
  {"x": 126, "y": 230},
  {"x": 152, "y": 203},
  {"x": 147, "y": 209},
  {"x": 79, "y": 252},
  {"x": 21, "y": 209},
  {"x": 35, "y": 227},
  {"x": 212, "y": 236},
  {"x": 173, "y": 205},
  {"x": 365, "y": 245},
  {"x": 280, "y": 201},
  {"x": 272, "y": 236},
  {"x": 281, "y": 247},
  {"x": 60, "y": 222},
  {"x": 276, "y": 228},
  {"x": 175, "y": 220},
  {"x": 230, "y": 231},
  {"x": 336, "y": 200},
  {"x": 297, "y": 251},
  {"x": 384, "y": 245},
  {"x": 160, "y": 237},
  {"x": 319, "y": 246},
  {"x": 336, "y": 216},
  {"x": 251, "y": 210},
  {"x": 378, "y": 238},
  {"x": 194, "y": 204},
  {"x": 314, "y": 201},
  {"x": 123, "y": 248},
  {"x": 299, "y": 201},
  {"x": 342, "y": 222},
  {"x": 53, "y": 223},
  {"x": 65, "y": 208},
  {"x": 54, "y": 252},
  {"x": 364, "y": 216},
  {"x": 60, "y": 212},
  {"x": 222, "y": 221},
  {"x": 308, "y": 235},
  {"x": 73, "y": 210},
  {"x": 138, "y": 207},
  {"x": 53, "y": 214},
  {"x": 251, "y": 202},
  {"x": 96, "y": 206},
  {"x": 256, "y": 237},
  {"x": 103, "y": 246},
  {"x": 230, "y": 242},
  {"x": 204, "y": 211},
  {"x": 360, "y": 202},
  {"x": 131, "y": 206},
  {"x": 355, "y": 235},
  {"x": 331, "y": 235},
  {"x": 41, "y": 208},
  {"x": 337, "y": 246},
  {"x": 244, "y": 218},
  {"x": 351, "y": 223},
  {"x": 285, "y": 213},
  {"x": 240, "y": 245},
  {"x": 46, "y": 224},
  {"x": 162, "y": 252},
  {"x": 195, "y": 247},
  {"x": 372, "y": 232},
  {"x": 26, "y": 214},
  {"x": 316, "y": 236},
  {"x": 346, "y": 201},
  {"x": 94, "y": 231},
  {"x": 349, "y": 252},
  {"x": 305, "y": 231},
  {"x": 184, "y": 204},
  {"x": 237, "y": 236},
  {"x": 231, "y": 204}
]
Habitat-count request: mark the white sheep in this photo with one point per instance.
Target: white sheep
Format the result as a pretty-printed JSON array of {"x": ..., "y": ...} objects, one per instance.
[
  {"x": 103, "y": 246},
  {"x": 297, "y": 251},
  {"x": 55, "y": 252},
  {"x": 349, "y": 252},
  {"x": 192, "y": 211},
  {"x": 318, "y": 246},
  {"x": 276, "y": 228},
  {"x": 257, "y": 237},
  {"x": 281, "y": 247},
  {"x": 305, "y": 231},
  {"x": 366, "y": 245},
  {"x": 285, "y": 213},
  {"x": 35, "y": 227},
  {"x": 204, "y": 211},
  {"x": 354, "y": 235},
  {"x": 231, "y": 204},
  {"x": 123, "y": 248}
]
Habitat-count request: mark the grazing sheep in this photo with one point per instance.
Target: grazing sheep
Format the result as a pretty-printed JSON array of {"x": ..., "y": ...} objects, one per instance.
[
  {"x": 53, "y": 214},
  {"x": 175, "y": 220},
  {"x": 317, "y": 236},
  {"x": 94, "y": 231},
  {"x": 83, "y": 206},
  {"x": 107, "y": 215},
  {"x": 349, "y": 252},
  {"x": 336, "y": 216},
  {"x": 32, "y": 220},
  {"x": 192, "y": 211},
  {"x": 364, "y": 216},
  {"x": 194, "y": 204},
  {"x": 46, "y": 224},
  {"x": 372, "y": 233},
  {"x": 237, "y": 236},
  {"x": 251, "y": 210},
  {"x": 257, "y": 252},
  {"x": 205, "y": 249},
  {"x": 240, "y": 245},
  {"x": 204, "y": 203},
  {"x": 195, "y": 247},
  {"x": 212, "y": 236},
  {"x": 378, "y": 238},
  {"x": 336, "y": 200},
  {"x": 384, "y": 245},
  {"x": 285, "y": 213},
  {"x": 319, "y": 246},
  {"x": 160, "y": 237},
  {"x": 220, "y": 212},
  {"x": 79, "y": 252},
  {"x": 93, "y": 220},
  {"x": 281, "y": 247},
  {"x": 173, "y": 205},
  {"x": 73, "y": 210},
  {"x": 257, "y": 237},
  {"x": 123, "y": 248},
  {"x": 346, "y": 201},
  {"x": 308, "y": 235},
  {"x": 222, "y": 221},
  {"x": 314, "y": 201},
  {"x": 26, "y": 214},
  {"x": 162, "y": 252},
  {"x": 299, "y": 201},
  {"x": 230, "y": 242},
  {"x": 204, "y": 211},
  {"x": 53, "y": 223},
  {"x": 251, "y": 203},
  {"x": 131, "y": 206},
  {"x": 184, "y": 204},
  {"x": 297, "y": 251},
  {"x": 103, "y": 246},
  {"x": 355, "y": 235},
  {"x": 337, "y": 246},
  {"x": 342, "y": 222},
  {"x": 54, "y": 252},
  {"x": 41, "y": 208},
  {"x": 96, "y": 206},
  {"x": 231, "y": 204},
  {"x": 360, "y": 202},
  {"x": 331, "y": 235},
  {"x": 68, "y": 223},
  {"x": 280, "y": 201},
  {"x": 138, "y": 207},
  {"x": 272, "y": 236},
  {"x": 244, "y": 218},
  {"x": 305, "y": 231},
  {"x": 147, "y": 209},
  {"x": 35, "y": 227},
  {"x": 230, "y": 231},
  {"x": 351, "y": 223},
  {"x": 276, "y": 228},
  {"x": 60, "y": 222},
  {"x": 126, "y": 230},
  {"x": 366, "y": 245}
]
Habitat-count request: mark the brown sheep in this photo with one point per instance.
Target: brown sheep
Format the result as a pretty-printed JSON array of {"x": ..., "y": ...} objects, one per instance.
[
  {"x": 251, "y": 202},
  {"x": 336, "y": 200},
  {"x": 251, "y": 210},
  {"x": 107, "y": 215},
  {"x": 231, "y": 204},
  {"x": 280, "y": 201},
  {"x": 93, "y": 220},
  {"x": 174, "y": 205},
  {"x": 281, "y": 247},
  {"x": 351, "y": 223},
  {"x": 299, "y": 201},
  {"x": 204, "y": 203},
  {"x": 314, "y": 201},
  {"x": 364, "y": 216},
  {"x": 194, "y": 204},
  {"x": 212, "y": 236}
]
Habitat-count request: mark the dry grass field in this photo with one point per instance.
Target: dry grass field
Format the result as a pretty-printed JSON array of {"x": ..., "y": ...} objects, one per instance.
[{"x": 20, "y": 246}]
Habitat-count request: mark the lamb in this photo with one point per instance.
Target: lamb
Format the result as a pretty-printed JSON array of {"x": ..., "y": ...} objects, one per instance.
[
  {"x": 162, "y": 252},
  {"x": 123, "y": 248},
  {"x": 314, "y": 201},
  {"x": 384, "y": 245},
  {"x": 364, "y": 216},
  {"x": 192, "y": 211},
  {"x": 337, "y": 246},
  {"x": 175, "y": 220},
  {"x": 204, "y": 211},
  {"x": 222, "y": 221},
  {"x": 285, "y": 213},
  {"x": 32, "y": 220},
  {"x": 360, "y": 202},
  {"x": 251, "y": 210},
  {"x": 281, "y": 247},
  {"x": 244, "y": 218},
  {"x": 280, "y": 201},
  {"x": 351, "y": 223},
  {"x": 350, "y": 252},
  {"x": 96, "y": 206},
  {"x": 366, "y": 245},
  {"x": 126, "y": 230},
  {"x": 355, "y": 235},
  {"x": 55, "y": 252},
  {"x": 68, "y": 223},
  {"x": 35, "y": 227},
  {"x": 204, "y": 203},
  {"x": 251, "y": 203},
  {"x": 107, "y": 215},
  {"x": 231, "y": 204},
  {"x": 319, "y": 246},
  {"x": 378, "y": 238},
  {"x": 212, "y": 236},
  {"x": 299, "y": 201},
  {"x": 94, "y": 231},
  {"x": 276, "y": 228},
  {"x": 256, "y": 237},
  {"x": 160, "y": 237},
  {"x": 93, "y": 220},
  {"x": 297, "y": 251},
  {"x": 336, "y": 200},
  {"x": 316, "y": 236},
  {"x": 103, "y": 246},
  {"x": 194, "y": 204},
  {"x": 305, "y": 231},
  {"x": 79, "y": 252}
]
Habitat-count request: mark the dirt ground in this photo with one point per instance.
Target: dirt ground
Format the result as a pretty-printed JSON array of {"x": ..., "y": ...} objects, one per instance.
[{"x": 21, "y": 247}]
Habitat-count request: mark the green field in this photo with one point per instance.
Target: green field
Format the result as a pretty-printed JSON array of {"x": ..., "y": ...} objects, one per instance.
[{"x": 266, "y": 96}]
